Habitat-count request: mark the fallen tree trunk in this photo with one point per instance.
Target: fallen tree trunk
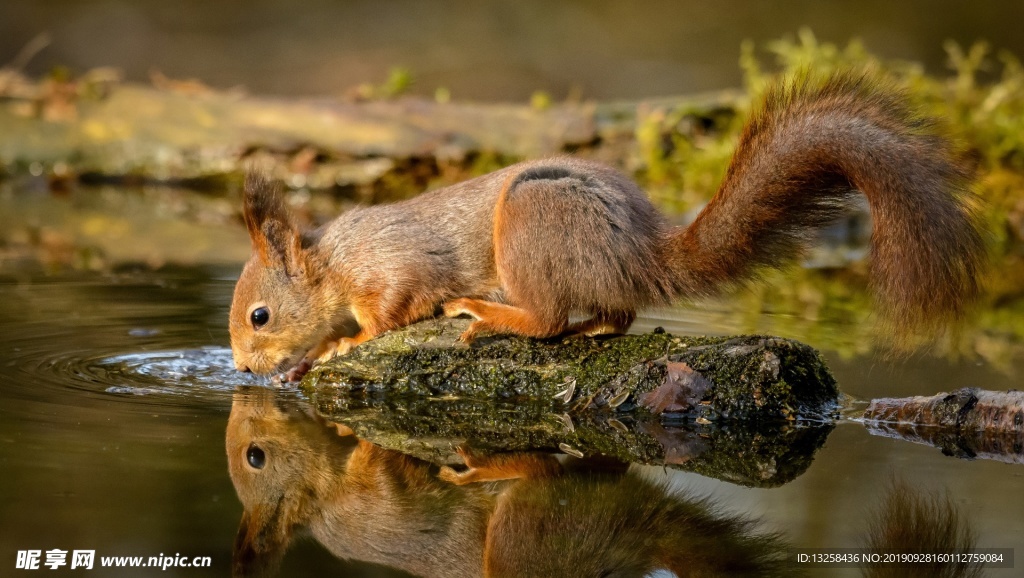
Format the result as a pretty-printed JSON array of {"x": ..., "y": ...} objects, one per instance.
[
  {"x": 967, "y": 423},
  {"x": 98, "y": 126},
  {"x": 750, "y": 410}
]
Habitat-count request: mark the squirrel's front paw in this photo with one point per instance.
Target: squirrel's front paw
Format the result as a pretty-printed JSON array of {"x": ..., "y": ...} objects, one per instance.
[
  {"x": 329, "y": 349},
  {"x": 294, "y": 374},
  {"x": 325, "y": 351},
  {"x": 345, "y": 344}
]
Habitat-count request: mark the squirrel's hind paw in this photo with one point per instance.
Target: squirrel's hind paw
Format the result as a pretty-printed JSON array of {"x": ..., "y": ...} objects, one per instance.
[
  {"x": 457, "y": 307},
  {"x": 468, "y": 476},
  {"x": 467, "y": 336}
]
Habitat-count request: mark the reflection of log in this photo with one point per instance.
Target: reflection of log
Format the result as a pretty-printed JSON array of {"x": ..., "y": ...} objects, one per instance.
[
  {"x": 708, "y": 378},
  {"x": 762, "y": 455},
  {"x": 969, "y": 422},
  {"x": 534, "y": 517}
]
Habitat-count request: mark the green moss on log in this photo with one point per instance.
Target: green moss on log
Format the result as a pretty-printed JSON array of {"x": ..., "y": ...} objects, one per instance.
[
  {"x": 750, "y": 378},
  {"x": 761, "y": 455}
]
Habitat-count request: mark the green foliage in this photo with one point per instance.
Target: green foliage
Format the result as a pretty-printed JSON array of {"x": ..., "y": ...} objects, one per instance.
[
  {"x": 683, "y": 155},
  {"x": 398, "y": 82},
  {"x": 986, "y": 118},
  {"x": 540, "y": 100}
]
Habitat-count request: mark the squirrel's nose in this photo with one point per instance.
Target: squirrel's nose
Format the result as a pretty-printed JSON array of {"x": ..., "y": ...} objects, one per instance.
[{"x": 242, "y": 367}]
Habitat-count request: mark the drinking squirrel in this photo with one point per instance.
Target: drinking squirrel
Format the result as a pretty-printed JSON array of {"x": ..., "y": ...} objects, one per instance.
[{"x": 523, "y": 248}]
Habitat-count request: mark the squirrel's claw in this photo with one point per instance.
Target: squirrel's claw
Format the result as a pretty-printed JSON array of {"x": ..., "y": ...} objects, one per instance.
[
  {"x": 294, "y": 374},
  {"x": 320, "y": 354},
  {"x": 461, "y": 306},
  {"x": 470, "y": 333}
]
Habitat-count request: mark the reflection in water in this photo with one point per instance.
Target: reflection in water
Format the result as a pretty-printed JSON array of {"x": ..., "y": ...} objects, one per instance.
[
  {"x": 908, "y": 520},
  {"x": 756, "y": 454},
  {"x": 1000, "y": 446},
  {"x": 296, "y": 472},
  {"x": 516, "y": 514}
]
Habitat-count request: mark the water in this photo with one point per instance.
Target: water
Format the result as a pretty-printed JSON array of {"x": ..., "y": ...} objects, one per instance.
[{"x": 117, "y": 391}]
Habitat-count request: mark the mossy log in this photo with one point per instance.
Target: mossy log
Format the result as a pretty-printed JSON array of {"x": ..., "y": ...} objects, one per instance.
[
  {"x": 968, "y": 423},
  {"x": 708, "y": 379}
]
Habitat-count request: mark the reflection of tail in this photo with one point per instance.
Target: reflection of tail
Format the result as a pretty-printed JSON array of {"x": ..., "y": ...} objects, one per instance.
[{"x": 912, "y": 521}]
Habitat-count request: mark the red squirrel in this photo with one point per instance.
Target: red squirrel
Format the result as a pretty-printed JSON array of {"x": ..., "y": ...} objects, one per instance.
[{"x": 523, "y": 248}]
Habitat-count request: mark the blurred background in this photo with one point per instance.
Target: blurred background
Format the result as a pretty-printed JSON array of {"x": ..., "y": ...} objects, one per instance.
[{"x": 479, "y": 50}]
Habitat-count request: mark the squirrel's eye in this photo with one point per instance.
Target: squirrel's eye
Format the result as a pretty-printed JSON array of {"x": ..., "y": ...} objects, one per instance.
[
  {"x": 260, "y": 317},
  {"x": 255, "y": 456}
]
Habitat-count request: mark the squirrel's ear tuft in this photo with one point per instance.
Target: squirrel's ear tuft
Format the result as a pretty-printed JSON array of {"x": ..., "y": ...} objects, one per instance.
[
  {"x": 260, "y": 544},
  {"x": 275, "y": 239},
  {"x": 262, "y": 204}
]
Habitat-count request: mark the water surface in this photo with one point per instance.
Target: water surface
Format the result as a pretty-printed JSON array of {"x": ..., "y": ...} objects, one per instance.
[{"x": 117, "y": 389}]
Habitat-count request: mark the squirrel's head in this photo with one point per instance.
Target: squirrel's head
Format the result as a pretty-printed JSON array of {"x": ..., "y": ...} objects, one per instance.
[
  {"x": 285, "y": 461},
  {"x": 273, "y": 319}
]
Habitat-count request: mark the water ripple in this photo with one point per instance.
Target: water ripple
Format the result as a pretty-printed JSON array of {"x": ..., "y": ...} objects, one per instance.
[{"x": 170, "y": 372}]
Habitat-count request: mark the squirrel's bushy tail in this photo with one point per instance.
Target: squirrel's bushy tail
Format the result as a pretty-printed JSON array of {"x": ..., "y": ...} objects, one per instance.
[{"x": 809, "y": 147}]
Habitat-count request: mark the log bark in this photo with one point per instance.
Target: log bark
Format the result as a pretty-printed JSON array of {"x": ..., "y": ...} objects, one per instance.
[
  {"x": 967, "y": 423},
  {"x": 707, "y": 379}
]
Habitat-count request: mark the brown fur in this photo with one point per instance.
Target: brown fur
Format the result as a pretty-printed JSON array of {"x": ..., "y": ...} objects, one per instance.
[
  {"x": 807, "y": 149},
  {"x": 501, "y": 467},
  {"x": 525, "y": 247},
  {"x": 360, "y": 501},
  {"x": 908, "y": 519},
  {"x": 585, "y": 518}
]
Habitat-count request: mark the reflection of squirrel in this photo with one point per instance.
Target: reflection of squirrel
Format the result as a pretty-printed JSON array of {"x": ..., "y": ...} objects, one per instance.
[
  {"x": 522, "y": 248},
  {"x": 296, "y": 474},
  {"x": 518, "y": 514}
]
